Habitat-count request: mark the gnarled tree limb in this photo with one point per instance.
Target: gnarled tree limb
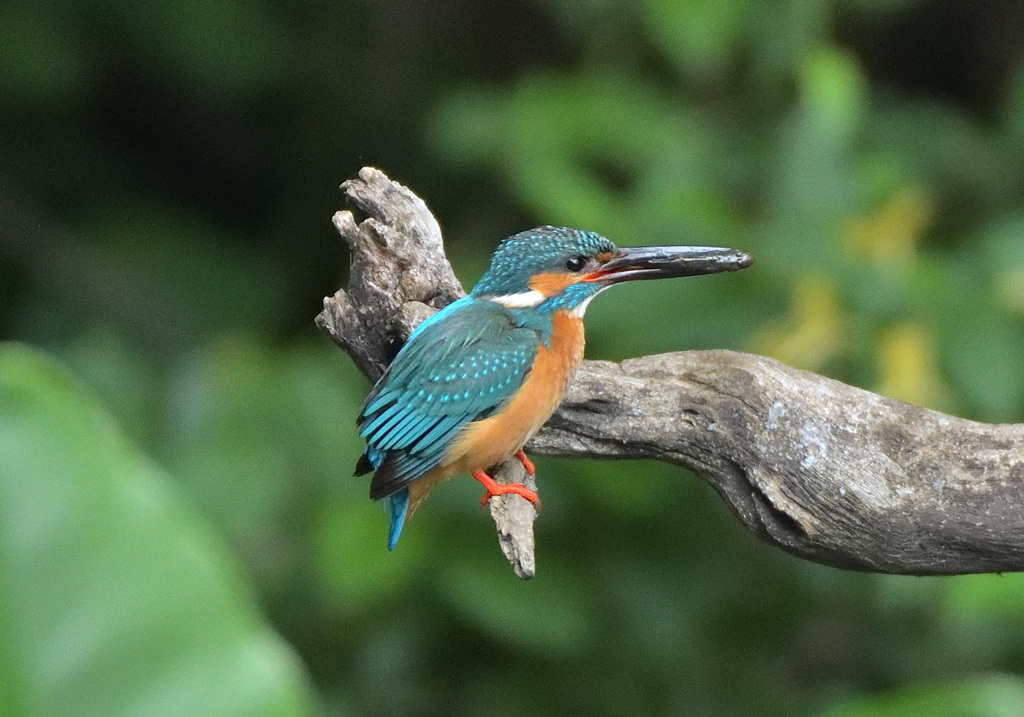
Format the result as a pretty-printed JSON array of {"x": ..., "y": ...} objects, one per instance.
[{"x": 829, "y": 472}]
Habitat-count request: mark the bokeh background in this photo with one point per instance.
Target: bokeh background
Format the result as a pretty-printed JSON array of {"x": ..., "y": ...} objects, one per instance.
[{"x": 179, "y": 531}]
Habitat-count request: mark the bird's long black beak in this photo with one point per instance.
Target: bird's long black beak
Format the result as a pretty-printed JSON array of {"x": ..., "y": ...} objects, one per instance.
[{"x": 662, "y": 262}]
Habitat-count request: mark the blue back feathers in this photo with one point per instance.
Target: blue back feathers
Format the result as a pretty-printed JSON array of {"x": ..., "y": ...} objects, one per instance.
[{"x": 461, "y": 365}]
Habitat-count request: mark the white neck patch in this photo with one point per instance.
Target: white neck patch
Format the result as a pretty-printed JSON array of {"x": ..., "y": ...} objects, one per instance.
[{"x": 523, "y": 300}]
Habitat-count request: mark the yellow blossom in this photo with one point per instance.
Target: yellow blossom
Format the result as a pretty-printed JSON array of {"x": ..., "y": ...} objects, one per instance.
[
  {"x": 815, "y": 331},
  {"x": 889, "y": 236},
  {"x": 908, "y": 366}
]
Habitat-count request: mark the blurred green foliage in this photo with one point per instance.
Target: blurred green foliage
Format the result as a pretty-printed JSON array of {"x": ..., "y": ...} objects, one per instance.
[
  {"x": 167, "y": 181},
  {"x": 115, "y": 595}
]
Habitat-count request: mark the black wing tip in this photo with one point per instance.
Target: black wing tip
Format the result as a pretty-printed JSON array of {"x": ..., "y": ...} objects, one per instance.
[
  {"x": 384, "y": 484},
  {"x": 390, "y": 477},
  {"x": 363, "y": 466}
]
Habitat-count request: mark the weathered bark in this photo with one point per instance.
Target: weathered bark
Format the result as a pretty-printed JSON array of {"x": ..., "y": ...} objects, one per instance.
[{"x": 829, "y": 472}]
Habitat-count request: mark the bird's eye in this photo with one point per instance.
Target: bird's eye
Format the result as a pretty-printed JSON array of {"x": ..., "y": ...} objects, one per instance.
[{"x": 576, "y": 263}]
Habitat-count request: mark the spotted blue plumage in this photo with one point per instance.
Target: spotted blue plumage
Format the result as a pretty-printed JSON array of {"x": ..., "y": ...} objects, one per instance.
[{"x": 544, "y": 249}]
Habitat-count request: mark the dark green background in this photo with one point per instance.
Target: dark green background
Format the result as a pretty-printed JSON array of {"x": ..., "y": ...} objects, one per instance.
[{"x": 179, "y": 534}]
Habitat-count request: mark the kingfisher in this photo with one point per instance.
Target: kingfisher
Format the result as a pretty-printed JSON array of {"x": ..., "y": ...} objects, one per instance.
[{"x": 478, "y": 379}]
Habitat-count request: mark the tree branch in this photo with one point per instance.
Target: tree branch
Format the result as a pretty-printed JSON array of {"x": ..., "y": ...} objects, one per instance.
[{"x": 829, "y": 472}]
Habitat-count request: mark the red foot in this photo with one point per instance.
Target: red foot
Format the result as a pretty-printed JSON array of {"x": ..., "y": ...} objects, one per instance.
[
  {"x": 495, "y": 488},
  {"x": 527, "y": 463}
]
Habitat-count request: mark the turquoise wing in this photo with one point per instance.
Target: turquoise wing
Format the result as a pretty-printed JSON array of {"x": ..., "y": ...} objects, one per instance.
[{"x": 461, "y": 365}]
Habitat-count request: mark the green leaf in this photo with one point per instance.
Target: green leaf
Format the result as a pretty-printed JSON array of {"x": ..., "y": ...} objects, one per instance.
[
  {"x": 115, "y": 598},
  {"x": 991, "y": 696},
  {"x": 697, "y": 35},
  {"x": 834, "y": 97}
]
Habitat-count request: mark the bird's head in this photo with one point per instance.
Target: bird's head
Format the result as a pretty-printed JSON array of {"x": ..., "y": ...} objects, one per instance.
[{"x": 557, "y": 268}]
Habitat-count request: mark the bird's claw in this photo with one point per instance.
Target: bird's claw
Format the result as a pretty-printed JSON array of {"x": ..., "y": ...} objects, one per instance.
[
  {"x": 527, "y": 463},
  {"x": 494, "y": 488}
]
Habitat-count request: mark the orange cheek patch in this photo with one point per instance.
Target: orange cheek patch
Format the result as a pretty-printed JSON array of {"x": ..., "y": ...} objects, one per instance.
[
  {"x": 605, "y": 256},
  {"x": 552, "y": 283}
]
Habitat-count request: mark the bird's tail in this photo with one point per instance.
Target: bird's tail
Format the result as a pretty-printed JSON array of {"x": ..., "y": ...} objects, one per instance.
[{"x": 398, "y": 508}]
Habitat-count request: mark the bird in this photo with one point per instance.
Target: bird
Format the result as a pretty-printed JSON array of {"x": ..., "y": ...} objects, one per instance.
[{"x": 476, "y": 380}]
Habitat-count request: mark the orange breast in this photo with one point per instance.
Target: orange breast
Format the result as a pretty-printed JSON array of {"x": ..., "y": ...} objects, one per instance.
[{"x": 486, "y": 443}]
